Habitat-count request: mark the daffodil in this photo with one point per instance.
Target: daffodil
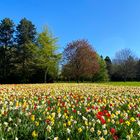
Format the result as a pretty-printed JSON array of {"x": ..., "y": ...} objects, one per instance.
[
  {"x": 36, "y": 123},
  {"x": 127, "y": 122},
  {"x": 69, "y": 123},
  {"x": 101, "y": 138},
  {"x": 49, "y": 128},
  {"x": 56, "y": 138},
  {"x": 105, "y": 132},
  {"x": 34, "y": 134},
  {"x": 92, "y": 129},
  {"x": 132, "y": 119},
  {"x": 16, "y": 138},
  {"x": 80, "y": 130},
  {"x": 32, "y": 117},
  {"x": 68, "y": 130},
  {"x": 86, "y": 123},
  {"x": 64, "y": 124},
  {"x": 59, "y": 110},
  {"x": 99, "y": 132},
  {"x": 108, "y": 120},
  {"x": 128, "y": 137}
]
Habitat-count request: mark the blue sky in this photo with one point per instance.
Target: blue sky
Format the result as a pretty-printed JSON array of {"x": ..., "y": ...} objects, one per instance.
[{"x": 109, "y": 25}]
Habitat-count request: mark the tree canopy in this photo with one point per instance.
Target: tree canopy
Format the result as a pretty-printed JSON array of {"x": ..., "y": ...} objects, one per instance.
[
  {"x": 80, "y": 61},
  {"x": 47, "y": 57}
]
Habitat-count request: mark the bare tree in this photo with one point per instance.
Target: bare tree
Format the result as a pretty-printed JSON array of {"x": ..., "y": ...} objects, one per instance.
[{"x": 125, "y": 64}]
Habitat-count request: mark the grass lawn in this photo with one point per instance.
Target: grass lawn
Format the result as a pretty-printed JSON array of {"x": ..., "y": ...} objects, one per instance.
[
  {"x": 105, "y": 83},
  {"x": 123, "y": 83}
]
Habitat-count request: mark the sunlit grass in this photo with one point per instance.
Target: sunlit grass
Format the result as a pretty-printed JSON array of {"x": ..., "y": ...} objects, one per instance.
[{"x": 123, "y": 83}]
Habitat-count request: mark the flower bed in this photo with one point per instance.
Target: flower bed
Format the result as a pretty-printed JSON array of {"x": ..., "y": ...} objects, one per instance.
[{"x": 69, "y": 112}]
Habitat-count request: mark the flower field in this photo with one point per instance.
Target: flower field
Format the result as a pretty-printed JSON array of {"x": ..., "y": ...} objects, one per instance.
[{"x": 69, "y": 112}]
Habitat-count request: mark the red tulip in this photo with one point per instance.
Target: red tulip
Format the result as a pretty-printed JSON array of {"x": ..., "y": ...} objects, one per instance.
[
  {"x": 98, "y": 116},
  {"x": 93, "y": 107},
  {"x": 100, "y": 113},
  {"x": 108, "y": 115},
  {"x": 88, "y": 108},
  {"x": 74, "y": 110},
  {"x": 49, "y": 108},
  {"x": 112, "y": 130},
  {"x": 35, "y": 106},
  {"x": 47, "y": 121},
  {"x": 115, "y": 138},
  {"x": 103, "y": 121},
  {"x": 121, "y": 121}
]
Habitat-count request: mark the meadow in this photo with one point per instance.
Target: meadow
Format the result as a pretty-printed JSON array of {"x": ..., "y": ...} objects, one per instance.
[{"x": 69, "y": 112}]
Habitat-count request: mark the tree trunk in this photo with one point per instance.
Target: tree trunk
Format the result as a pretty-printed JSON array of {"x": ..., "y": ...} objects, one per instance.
[
  {"x": 77, "y": 79},
  {"x": 45, "y": 76}
]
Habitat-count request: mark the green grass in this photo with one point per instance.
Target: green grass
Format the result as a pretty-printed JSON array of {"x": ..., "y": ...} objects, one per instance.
[
  {"x": 137, "y": 84},
  {"x": 123, "y": 83}
]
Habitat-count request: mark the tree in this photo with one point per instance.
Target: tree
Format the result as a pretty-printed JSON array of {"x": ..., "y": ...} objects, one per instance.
[
  {"x": 26, "y": 32},
  {"x": 108, "y": 65},
  {"x": 47, "y": 58},
  {"x": 138, "y": 70},
  {"x": 79, "y": 61},
  {"x": 125, "y": 64},
  {"x": 6, "y": 43},
  {"x": 102, "y": 74},
  {"x": 26, "y": 39}
]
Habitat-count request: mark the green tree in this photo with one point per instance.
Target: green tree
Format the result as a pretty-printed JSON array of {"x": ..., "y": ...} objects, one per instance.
[
  {"x": 108, "y": 65},
  {"x": 47, "y": 58},
  {"x": 6, "y": 43},
  {"x": 26, "y": 32},
  {"x": 138, "y": 70},
  {"x": 102, "y": 74},
  {"x": 26, "y": 39}
]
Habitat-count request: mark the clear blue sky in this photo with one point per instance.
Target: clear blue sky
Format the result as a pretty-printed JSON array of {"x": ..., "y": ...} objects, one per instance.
[{"x": 109, "y": 25}]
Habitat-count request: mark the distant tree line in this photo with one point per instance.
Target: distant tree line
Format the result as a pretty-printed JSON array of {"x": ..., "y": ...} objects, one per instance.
[
  {"x": 30, "y": 57},
  {"x": 124, "y": 67}
]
